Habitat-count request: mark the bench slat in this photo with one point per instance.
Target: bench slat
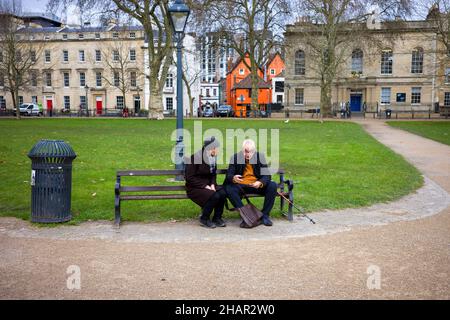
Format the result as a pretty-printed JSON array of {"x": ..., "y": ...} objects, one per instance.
[
  {"x": 153, "y": 188},
  {"x": 150, "y": 173},
  {"x": 154, "y": 197}
]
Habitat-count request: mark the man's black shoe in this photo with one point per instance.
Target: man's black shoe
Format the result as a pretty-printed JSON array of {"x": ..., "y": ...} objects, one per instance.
[
  {"x": 219, "y": 222},
  {"x": 207, "y": 223},
  {"x": 266, "y": 221}
]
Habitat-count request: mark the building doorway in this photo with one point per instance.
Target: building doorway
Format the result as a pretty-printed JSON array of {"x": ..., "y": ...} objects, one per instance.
[
  {"x": 355, "y": 102},
  {"x": 137, "y": 104},
  {"x": 99, "y": 105}
]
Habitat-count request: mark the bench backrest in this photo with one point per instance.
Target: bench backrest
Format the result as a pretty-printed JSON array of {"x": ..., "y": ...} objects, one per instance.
[{"x": 150, "y": 173}]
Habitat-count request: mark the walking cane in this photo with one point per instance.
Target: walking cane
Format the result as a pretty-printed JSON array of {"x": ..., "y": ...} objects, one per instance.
[{"x": 301, "y": 212}]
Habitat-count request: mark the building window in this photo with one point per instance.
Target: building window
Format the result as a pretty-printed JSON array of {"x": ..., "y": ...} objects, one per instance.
[
  {"x": 66, "y": 79},
  {"x": 1, "y": 56},
  {"x": 33, "y": 56},
  {"x": 447, "y": 99},
  {"x": 33, "y": 78},
  {"x": 133, "y": 35},
  {"x": 133, "y": 81},
  {"x": 279, "y": 86},
  {"x": 97, "y": 36},
  {"x": 2, "y": 80},
  {"x": 169, "y": 81},
  {"x": 64, "y": 36},
  {"x": 82, "y": 79},
  {"x": 241, "y": 71},
  {"x": 83, "y": 102},
  {"x": 169, "y": 104},
  {"x": 272, "y": 72},
  {"x": 447, "y": 75},
  {"x": 299, "y": 64},
  {"x": 299, "y": 96},
  {"x": 80, "y": 36},
  {"x": 415, "y": 95},
  {"x": 214, "y": 92},
  {"x": 20, "y": 100},
  {"x": 34, "y": 99},
  {"x": 98, "y": 56},
  {"x": 66, "y": 102},
  {"x": 81, "y": 56},
  {"x": 207, "y": 92},
  {"x": 47, "y": 56},
  {"x": 116, "y": 79},
  {"x": 119, "y": 100},
  {"x": 385, "y": 95},
  {"x": 98, "y": 79},
  {"x": 132, "y": 55},
  {"x": 115, "y": 35},
  {"x": 65, "y": 55},
  {"x": 48, "y": 79},
  {"x": 386, "y": 62},
  {"x": 2, "y": 102},
  {"x": 417, "y": 61},
  {"x": 357, "y": 61},
  {"x": 115, "y": 55}
]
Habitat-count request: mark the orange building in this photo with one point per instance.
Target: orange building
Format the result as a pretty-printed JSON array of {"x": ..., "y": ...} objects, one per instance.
[
  {"x": 275, "y": 66},
  {"x": 238, "y": 87}
]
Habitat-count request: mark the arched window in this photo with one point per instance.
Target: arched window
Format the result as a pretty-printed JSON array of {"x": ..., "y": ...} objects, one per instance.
[
  {"x": 386, "y": 61},
  {"x": 300, "y": 62},
  {"x": 417, "y": 60},
  {"x": 357, "y": 61}
]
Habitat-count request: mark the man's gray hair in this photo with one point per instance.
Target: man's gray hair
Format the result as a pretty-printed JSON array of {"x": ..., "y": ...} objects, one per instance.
[{"x": 250, "y": 144}]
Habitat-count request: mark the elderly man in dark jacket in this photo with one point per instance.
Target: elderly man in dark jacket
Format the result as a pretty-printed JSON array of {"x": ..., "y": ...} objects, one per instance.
[
  {"x": 201, "y": 184},
  {"x": 247, "y": 172}
]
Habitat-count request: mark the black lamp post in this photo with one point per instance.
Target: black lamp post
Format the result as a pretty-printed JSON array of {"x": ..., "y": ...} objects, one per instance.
[
  {"x": 179, "y": 13},
  {"x": 87, "y": 105}
]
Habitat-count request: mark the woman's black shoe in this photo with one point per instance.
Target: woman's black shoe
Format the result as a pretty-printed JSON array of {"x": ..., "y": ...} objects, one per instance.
[
  {"x": 207, "y": 223},
  {"x": 219, "y": 222}
]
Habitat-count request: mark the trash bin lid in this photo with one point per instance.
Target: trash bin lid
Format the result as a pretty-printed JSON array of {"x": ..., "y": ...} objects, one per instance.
[{"x": 52, "y": 148}]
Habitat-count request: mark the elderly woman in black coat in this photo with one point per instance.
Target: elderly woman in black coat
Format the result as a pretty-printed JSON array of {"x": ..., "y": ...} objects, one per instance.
[{"x": 201, "y": 184}]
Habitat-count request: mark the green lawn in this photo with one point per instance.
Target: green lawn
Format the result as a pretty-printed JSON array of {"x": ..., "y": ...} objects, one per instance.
[
  {"x": 435, "y": 130},
  {"x": 334, "y": 165}
]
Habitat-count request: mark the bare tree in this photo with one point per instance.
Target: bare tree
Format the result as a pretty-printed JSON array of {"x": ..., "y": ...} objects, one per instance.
[
  {"x": 253, "y": 28},
  {"x": 190, "y": 76},
  {"x": 120, "y": 59},
  {"x": 19, "y": 54}
]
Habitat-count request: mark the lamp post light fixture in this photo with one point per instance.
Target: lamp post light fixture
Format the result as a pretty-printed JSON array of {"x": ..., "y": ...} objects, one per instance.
[{"x": 179, "y": 13}]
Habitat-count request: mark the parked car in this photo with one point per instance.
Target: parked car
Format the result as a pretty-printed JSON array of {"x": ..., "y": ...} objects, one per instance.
[
  {"x": 208, "y": 112},
  {"x": 29, "y": 109},
  {"x": 225, "y": 111}
]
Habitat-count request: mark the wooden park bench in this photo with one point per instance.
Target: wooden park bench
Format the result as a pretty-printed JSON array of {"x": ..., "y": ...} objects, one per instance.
[{"x": 122, "y": 192}]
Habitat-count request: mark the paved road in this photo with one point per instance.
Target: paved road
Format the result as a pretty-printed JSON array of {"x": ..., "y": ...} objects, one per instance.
[{"x": 412, "y": 258}]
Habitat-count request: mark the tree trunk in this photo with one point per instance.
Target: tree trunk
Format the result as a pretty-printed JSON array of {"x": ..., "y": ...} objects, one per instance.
[
  {"x": 155, "y": 104},
  {"x": 255, "y": 94},
  {"x": 15, "y": 98},
  {"x": 325, "y": 99}
]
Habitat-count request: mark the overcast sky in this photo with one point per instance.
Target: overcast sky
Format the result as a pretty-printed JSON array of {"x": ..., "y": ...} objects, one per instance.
[{"x": 34, "y": 5}]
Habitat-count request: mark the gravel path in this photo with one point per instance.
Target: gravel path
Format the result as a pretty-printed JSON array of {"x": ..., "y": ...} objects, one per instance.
[{"x": 407, "y": 241}]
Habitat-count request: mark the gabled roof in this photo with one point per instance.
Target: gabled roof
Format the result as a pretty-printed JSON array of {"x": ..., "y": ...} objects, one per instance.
[
  {"x": 272, "y": 56},
  {"x": 238, "y": 61},
  {"x": 246, "y": 83}
]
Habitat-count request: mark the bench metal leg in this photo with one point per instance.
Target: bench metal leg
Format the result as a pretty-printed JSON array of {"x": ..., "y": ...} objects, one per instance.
[{"x": 117, "y": 213}]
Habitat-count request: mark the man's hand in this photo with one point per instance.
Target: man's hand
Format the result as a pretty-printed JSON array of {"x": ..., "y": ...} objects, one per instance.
[
  {"x": 237, "y": 178},
  {"x": 256, "y": 184},
  {"x": 208, "y": 187},
  {"x": 213, "y": 187}
]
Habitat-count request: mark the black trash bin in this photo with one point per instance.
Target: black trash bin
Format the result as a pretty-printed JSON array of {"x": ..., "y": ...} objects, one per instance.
[{"x": 51, "y": 181}]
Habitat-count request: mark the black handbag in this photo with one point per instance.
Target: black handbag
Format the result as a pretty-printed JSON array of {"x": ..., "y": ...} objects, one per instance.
[{"x": 251, "y": 216}]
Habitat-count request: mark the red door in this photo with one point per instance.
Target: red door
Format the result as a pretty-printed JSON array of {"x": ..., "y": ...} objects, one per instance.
[
  {"x": 50, "y": 107},
  {"x": 99, "y": 106}
]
